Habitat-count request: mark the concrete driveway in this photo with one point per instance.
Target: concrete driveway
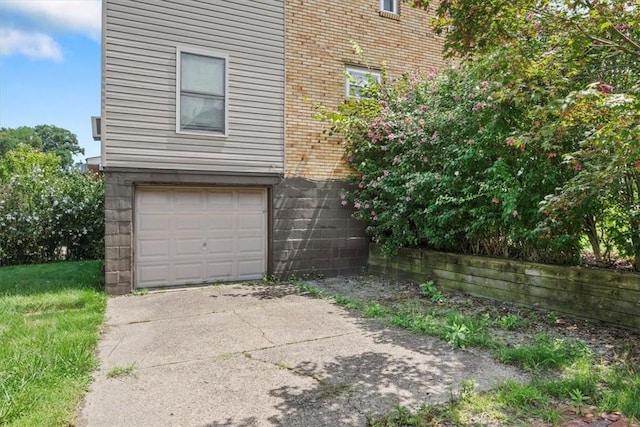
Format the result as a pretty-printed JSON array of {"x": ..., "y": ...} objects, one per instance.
[{"x": 238, "y": 355}]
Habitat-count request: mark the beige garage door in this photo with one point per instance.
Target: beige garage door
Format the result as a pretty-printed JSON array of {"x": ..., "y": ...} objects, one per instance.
[{"x": 199, "y": 235}]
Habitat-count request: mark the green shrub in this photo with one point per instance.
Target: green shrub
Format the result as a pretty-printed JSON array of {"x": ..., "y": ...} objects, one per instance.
[
  {"x": 48, "y": 214},
  {"x": 470, "y": 160},
  {"x": 437, "y": 168}
]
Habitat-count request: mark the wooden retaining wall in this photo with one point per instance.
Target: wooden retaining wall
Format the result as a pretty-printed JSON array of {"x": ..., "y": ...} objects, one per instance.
[{"x": 607, "y": 295}]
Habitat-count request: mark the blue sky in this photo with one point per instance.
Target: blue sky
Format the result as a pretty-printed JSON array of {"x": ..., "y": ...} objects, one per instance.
[{"x": 50, "y": 65}]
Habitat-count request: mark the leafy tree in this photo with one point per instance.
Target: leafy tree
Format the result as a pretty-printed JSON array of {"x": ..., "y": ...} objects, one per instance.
[
  {"x": 46, "y": 138},
  {"x": 59, "y": 141},
  {"x": 581, "y": 60},
  {"x": 10, "y": 138}
]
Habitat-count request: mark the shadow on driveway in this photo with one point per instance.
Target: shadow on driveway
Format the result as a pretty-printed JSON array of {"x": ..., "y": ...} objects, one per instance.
[{"x": 239, "y": 355}]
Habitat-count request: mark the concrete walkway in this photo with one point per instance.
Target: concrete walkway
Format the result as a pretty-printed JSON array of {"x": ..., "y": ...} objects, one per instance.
[{"x": 238, "y": 355}]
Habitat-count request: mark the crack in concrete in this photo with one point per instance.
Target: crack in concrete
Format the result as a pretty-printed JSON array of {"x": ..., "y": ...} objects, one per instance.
[
  {"x": 246, "y": 353},
  {"x": 246, "y": 322}
]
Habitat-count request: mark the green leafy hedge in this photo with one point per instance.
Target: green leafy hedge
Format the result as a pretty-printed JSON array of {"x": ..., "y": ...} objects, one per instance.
[{"x": 48, "y": 214}]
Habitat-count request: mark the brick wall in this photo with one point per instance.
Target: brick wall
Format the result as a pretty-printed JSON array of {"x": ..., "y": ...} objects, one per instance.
[{"x": 318, "y": 35}]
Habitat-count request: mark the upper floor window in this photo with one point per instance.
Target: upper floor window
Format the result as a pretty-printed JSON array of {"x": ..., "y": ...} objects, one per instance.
[
  {"x": 201, "y": 92},
  {"x": 390, "y": 6},
  {"x": 357, "y": 79}
]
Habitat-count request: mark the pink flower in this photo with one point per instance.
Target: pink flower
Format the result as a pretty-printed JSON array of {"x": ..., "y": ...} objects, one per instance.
[
  {"x": 425, "y": 159},
  {"x": 479, "y": 106},
  {"x": 356, "y": 205},
  {"x": 342, "y": 196},
  {"x": 343, "y": 203},
  {"x": 384, "y": 148},
  {"x": 436, "y": 176},
  {"x": 522, "y": 147},
  {"x": 423, "y": 108},
  {"x": 605, "y": 88},
  {"x": 361, "y": 185},
  {"x": 373, "y": 213},
  {"x": 514, "y": 213},
  {"x": 385, "y": 173},
  {"x": 366, "y": 205},
  {"x": 578, "y": 167},
  {"x": 407, "y": 199},
  {"x": 375, "y": 218},
  {"x": 456, "y": 98},
  {"x": 435, "y": 135},
  {"x": 495, "y": 200},
  {"x": 511, "y": 141},
  {"x": 391, "y": 137}
]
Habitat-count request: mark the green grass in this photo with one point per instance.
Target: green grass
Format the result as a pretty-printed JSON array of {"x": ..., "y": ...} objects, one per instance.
[
  {"x": 570, "y": 373},
  {"x": 50, "y": 316},
  {"x": 121, "y": 371}
]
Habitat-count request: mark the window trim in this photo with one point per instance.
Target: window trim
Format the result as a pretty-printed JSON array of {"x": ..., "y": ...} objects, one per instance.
[
  {"x": 347, "y": 84},
  {"x": 212, "y": 54},
  {"x": 395, "y": 9}
]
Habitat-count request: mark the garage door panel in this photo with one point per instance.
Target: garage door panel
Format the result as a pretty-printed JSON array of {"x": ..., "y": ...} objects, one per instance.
[
  {"x": 154, "y": 222},
  {"x": 221, "y": 201},
  {"x": 250, "y": 269},
  {"x": 151, "y": 274},
  {"x": 220, "y": 270},
  {"x": 184, "y": 222},
  {"x": 152, "y": 198},
  {"x": 250, "y": 244},
  {"x": 198, "y": 235},
  {"x": 220, "y": 221},
  {"x": 221, "y": 245},
  {"x": 191, "y": 247},
  {"x": 251, "y": 222},
  {"x": 154, "y": 248},
  {"x": 188, "y": 201},
  {"x": 250, "y": 199},
  {"x": 186, "y": 272}
]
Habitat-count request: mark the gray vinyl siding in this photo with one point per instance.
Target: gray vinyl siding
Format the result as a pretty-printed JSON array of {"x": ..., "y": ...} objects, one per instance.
[{"x": 139, "y": 105}]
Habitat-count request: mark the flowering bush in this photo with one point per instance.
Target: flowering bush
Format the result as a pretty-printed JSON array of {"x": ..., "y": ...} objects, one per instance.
[
  {"x": 437, "y": 167},
  {"x": 460, "y": 162},
  {"x": 47, "y": 214}
]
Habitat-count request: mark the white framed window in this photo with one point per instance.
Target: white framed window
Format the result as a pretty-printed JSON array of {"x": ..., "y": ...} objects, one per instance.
[
  {"x": 201, "y": 92},
  {"x": 357, "y": 79},
  {"x": 390, "y": 6}
]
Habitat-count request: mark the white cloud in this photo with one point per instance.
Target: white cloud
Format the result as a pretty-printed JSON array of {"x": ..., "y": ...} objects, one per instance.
[
  {"x": 33, "y": 45},
  {"x": 80, "y": 16}
]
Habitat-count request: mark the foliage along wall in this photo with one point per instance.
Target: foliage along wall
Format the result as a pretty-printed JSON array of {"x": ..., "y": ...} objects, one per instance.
[{"x": 606, "y": 295}]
